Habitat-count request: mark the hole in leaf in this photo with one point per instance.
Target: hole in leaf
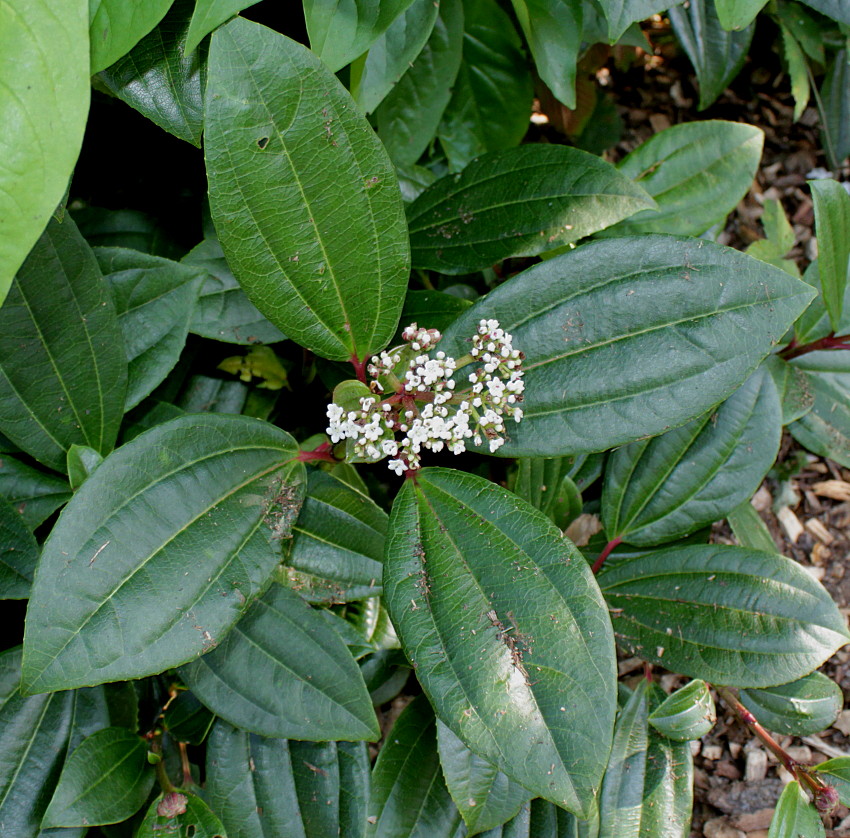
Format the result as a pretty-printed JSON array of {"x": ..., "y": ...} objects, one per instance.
[
  {"x": 263, "y": 142},
  {"x": 190, "y": 830}
]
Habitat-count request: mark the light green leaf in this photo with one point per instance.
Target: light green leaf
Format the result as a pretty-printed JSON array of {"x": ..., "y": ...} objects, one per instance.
[
  {"x": 622, "y": 14},
  {"x": 408, "y": 117},
  {"x": 338, "y": 543},
  {"x": 793, "y": 385},
  {"x": 209, "y": 15},
  {"x": 154, "y": 300},
  {"x": 779, "y": 238},
  {"x": 62, "y": 368},
  {"x": 409, "y": 795},
  {"x": 44, "y": 118},
  {"x": 82, "y": 461},
  {"x": 518, "y": 202},
  {"x": 648, "y": 784},
  {"x": 686, "y": 714},
  {"x": 161, "y": 550},
  {"x": 553, "y": 29},
  {"x": 832, "y": 225},
  {"x": 737, "y": 14},
  {"x": 717, "y": 55},
  {"x": 18, "y": 554},
  {"x": 728, "y": 615},
  {"x": 795, "y": 816},
  {"x": 595, "y": 310},
  {"x": 696, "y": 172},
  {"x": 667, "y": 487},
  {"x": 313, "y": 229},
  {"x": 116, "y": 26},
  {"x": 825, "y": 429},
  {"x": 34, "y": 494},
  {"x": 105, "y": 780},
  {"x": 749, "y": 528},
  {"x": 283, "y": 672},
  {"x": 800, "y": 708},
  {"x": 341, "y": 30},
  {"x": 392, "y": 54},
  {"x": 492, "y": 95},
  {"x": 196, "y": 821},
  {"x": 33, "y": 741},
  {"x": 485, "y": 797},
  {"x": 163, "y": 78},
  {"x": 836, "y": 772},
  {"x": 796, "y": 60},
  {"x": 503, "y": 622},
  {"x": 266, "y": 788}
]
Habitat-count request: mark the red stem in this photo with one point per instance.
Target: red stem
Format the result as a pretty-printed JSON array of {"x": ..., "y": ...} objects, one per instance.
[
  {"x": 831, "y": 341},
  {"x": 609, "y": 547},
  {"x": 322, "y": 452},
  {"x": 359, "y": 367}
]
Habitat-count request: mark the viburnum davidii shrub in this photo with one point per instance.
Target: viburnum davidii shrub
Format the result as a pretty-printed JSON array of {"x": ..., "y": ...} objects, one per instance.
[{"x": 522, "y": 384}]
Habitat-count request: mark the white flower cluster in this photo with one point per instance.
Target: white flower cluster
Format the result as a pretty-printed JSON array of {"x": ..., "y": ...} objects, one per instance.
[{"x": 427, "y": 406}]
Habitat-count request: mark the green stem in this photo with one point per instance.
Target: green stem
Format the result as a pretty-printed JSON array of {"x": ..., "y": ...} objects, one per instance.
[{"x": 161, "y": 774}]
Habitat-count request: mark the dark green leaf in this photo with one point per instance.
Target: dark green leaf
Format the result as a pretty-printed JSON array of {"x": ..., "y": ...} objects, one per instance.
[
  {"x": 195, "y": 821},
  {"x": 34, "y": 494},
  {"x": 432, "y": 309},
  {"x": 91, "y": 714},
  {"x": 204, "y": 394},
  {"x": 749, "y": 528},
  {"x": 106, "y": 780},
  {"x": 518, "y": 202},
  {"x": 553, "y": 29},
  {"x": 623, "y": 13},
  {"x": 209, "y": 15},
  {"x": 187, "y": 720},
  {"x": 161, "y": 550},
  {"x": 825, "y": 429},
  {"x": 728, "y": 615},
  {"x": 267, "y": 788},
  {"x": 664, "y": 488},
  {"x": 350, "y": 634},
  {"x": 313, "y": 229},
  {"x": 737, "y": 14},
  {"x": 18, "y": 554},
  {"x": 116, "y": 26},
  {"x": 835, "y": 111},
  {"x": 33, "y": 740},
  {"x": 44, "y": 118},
  {"x": 82, "y": 461},
  {"x": 492, "y": 95},
  {"x": 125, "y": 228},
  {"x": 836, "y": 772},
  {"x": 549, "y": 821},
  {"x": 795, "y": 394},
  {"x": 385, "y": 673},
  {"x": 154, "y": 299},
  {"x": 605, "y": 364},
  {"x": 409, "y": 796},
  {"x": 338, "y": 543},
  {"x": 147, "y": 415},
  {"x": 62, "y": 367},
  {"x": 814, "y": 323},
  {"x": 717, "y": 55},
  {"x": 409, "y": 115},
  {"x": 163, "y": 78},
  {"x": 697, "y": 172},
  {"x": 800, "y": 708},
  {"x": 392, "y": 54},
  {"x": 835, "y": 9},
  {"x": 282, "y": 671},
  {"x": 686, "y": 714},
  {"x": 648, "y": 785},
  {"x": 795, "y": 816},
  {"x": 832, "y": 225},
  {"x": 485, "y": 797},
  {"x": 339, "y": 36},
  {"x": 547, "y": 485},
  {"x": 503, "y": 622}
]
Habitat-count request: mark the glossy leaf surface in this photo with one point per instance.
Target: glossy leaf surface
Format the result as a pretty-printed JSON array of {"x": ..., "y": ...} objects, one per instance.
[
  {"x": 19, "y": 553},
  {"x": 281, "y": 671},
  {"x": 485, "y": 797},
  {"x": 33, "y": 740},
  {"x": 665, "y": 488},
  {"x": 71, "y": 388},
  {"x": 208, "y": 15},
  {"x": 266, "y": 788},
  {"x": 35, "y": 495},
  {"x": 161, "y": 550},
  {"x": 605, "y": 364},
  {"x": 409, "y": 795},
  {"x": 118, "y": 25},
  {"x": 44, "y": 118},
  {"x": 800, "y": 708},
  {"x": 503, "y": 672},
  {"x": 154, "y": 300},
  {"x": 696, "y": 172},
  {"x": 82, "y": 461},
  {"x": 686, "y": 714},
  {"x": 314, "y": 230},
  {"x": 795, "y": 816},
  {"x": 724, "y": 614},
  {"x": 518, "y": 202},
  {"x": 163, "y": 78},
  {"x": 338, "y": 543},
  {"x": 648, "y": 784},
  {"x": 105, "y": 780}
]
